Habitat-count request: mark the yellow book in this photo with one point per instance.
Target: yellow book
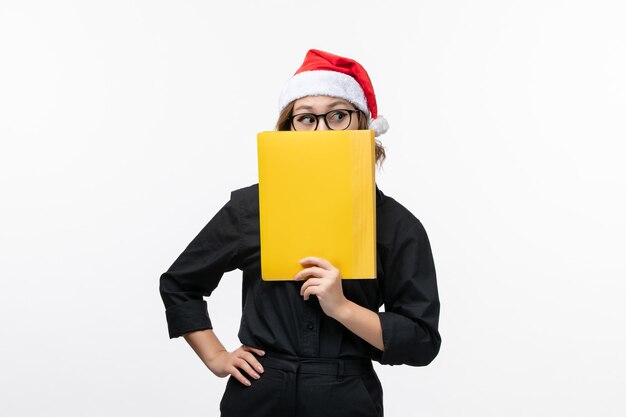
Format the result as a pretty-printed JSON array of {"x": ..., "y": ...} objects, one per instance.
[{"x": 317, "y": 197}]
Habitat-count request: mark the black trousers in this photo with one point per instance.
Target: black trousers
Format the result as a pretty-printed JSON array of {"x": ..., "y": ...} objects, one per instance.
[{"x": 306, "y": 387}]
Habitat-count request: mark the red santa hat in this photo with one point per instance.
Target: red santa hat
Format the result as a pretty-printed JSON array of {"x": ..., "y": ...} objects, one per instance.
[{"x": 325, "y": 74}]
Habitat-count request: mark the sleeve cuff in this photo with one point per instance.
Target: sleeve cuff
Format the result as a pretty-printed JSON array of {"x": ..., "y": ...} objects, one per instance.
[
  {"x": 393, "y": 336},
  {"x": 405, "y": 342},
  {"x": 187, "y": 317}
]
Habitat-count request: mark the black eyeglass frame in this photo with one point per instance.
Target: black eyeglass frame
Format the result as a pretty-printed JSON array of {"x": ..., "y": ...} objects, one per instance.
[{"x": 324, "y": 115}]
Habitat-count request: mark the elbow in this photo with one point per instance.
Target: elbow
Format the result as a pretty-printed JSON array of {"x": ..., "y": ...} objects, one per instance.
[
  {"x": 165, "y": 290},
  {"x": 172, "y": 292},
  {"x": 424, "y": 348},
  {"x": 425, "y": 352}
]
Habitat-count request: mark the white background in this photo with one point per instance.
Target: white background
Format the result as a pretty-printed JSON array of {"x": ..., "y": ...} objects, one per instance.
[{"x": 125, "y": 124}]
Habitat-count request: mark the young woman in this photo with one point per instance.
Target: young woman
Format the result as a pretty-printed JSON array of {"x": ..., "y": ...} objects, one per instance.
[{"x": 308, "y": 345}]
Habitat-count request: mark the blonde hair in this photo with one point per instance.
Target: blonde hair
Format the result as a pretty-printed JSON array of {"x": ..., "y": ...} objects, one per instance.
[{"x": 283, "y": 123}]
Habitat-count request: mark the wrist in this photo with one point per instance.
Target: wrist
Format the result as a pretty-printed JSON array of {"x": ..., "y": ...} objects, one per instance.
[
  {"x": 212, "y": 355},
  {"x": 343, "y": 311}
]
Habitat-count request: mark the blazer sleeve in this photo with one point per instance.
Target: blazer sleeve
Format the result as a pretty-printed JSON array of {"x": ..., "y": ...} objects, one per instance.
[
  {"x": 411, "y": 317},
  {"x": 197, "y": 271}
]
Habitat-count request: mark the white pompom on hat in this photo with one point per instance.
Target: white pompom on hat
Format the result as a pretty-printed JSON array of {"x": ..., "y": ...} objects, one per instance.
[{"x": 326, "y": 74}]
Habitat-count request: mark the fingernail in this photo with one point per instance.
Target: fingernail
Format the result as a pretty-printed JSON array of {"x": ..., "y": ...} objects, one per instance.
[
  {"x": 260, "y": 368},
  {"x": 248, "y": 383},
  {"x": 262, "y": 353}
]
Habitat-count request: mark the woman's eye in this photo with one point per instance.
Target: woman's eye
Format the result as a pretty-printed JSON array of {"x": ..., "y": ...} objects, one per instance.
[
  {"x": 306, "y": 119},
  {"x": 339, "y": 115}
]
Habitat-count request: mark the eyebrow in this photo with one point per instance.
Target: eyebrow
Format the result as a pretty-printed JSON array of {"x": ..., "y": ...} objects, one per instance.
[
  {"x": 331, "y": 104},
  {"x": 303, "y": 108}
]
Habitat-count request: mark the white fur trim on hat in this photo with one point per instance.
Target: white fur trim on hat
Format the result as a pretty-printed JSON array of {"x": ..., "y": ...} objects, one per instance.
[
  {"x": 323, "y": 83},
  {"x": 379, "y": 125}
]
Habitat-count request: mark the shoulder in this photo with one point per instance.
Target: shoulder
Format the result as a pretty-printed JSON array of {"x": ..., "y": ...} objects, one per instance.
[
  {"x": 245, "y": 194},
  {"x": 246, "y": 201},
  {"x": 394, "y": 215}
]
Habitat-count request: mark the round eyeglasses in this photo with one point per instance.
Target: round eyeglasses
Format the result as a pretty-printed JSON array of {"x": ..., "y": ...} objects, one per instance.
[{"x": 338, "y": 119}]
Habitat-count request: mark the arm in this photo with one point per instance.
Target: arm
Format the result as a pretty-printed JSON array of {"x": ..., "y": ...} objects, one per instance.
[
  {"x": 325, "y": 282},
  {"x": 407, "y": 331},
  {"x": 362, "y": 322},
  {"x": 411, "y": 317},
  {"x": 197, "y": 271},
  {"x": 194, "y": 275}
]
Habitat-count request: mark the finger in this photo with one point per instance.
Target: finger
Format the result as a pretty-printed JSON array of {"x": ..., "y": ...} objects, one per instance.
[
  {"x": 253, "y": 349},
  {"x": 249, "y": 357},
  {"x": 239, "y": 376},
  {"x": 313, "y": 271},
  {"x": 305, "y": 273},
  {"x": 245, "y": 366},
  {"x": 310, "y": 291},
  {"x": 310, "y": 282},
  {"x": 313, "y": 260}
]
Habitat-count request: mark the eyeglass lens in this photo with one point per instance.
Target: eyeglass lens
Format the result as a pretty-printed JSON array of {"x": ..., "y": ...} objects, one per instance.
[{"x": 335, "y": 120}]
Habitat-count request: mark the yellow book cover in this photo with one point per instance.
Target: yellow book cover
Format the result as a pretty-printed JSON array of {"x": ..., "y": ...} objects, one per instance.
[{"x": 317, "y": 197}]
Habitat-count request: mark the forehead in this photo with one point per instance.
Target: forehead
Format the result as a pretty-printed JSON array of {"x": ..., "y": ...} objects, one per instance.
[{"x": 319, "y": 101}]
